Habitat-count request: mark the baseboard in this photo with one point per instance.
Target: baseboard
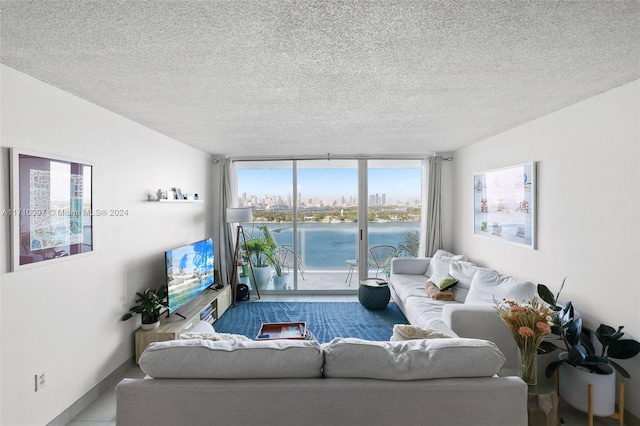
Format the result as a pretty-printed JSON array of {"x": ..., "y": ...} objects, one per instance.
[
  {"x": 630, "y": 419},
  {"x": 107, "y": 383}
]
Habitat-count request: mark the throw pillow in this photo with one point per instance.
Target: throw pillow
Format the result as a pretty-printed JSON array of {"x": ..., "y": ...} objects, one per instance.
[
  {"x": 488, "y": 285},
  {"x": 408, "y": 332},
  {"x": 444, "y": 282},
  {"x": 434, "y": 293},
  {"x": 439, "y": 263}
]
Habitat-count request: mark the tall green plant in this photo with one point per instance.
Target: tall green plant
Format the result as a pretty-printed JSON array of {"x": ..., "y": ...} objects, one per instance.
[
  {"x": 261, "y": 249},
  {"x": 410, "y": 244}
]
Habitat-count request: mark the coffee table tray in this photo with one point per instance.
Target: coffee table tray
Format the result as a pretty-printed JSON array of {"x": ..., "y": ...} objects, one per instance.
[{"x": 282, "y": 330}]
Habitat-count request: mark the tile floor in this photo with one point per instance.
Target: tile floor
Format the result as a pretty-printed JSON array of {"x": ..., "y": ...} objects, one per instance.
[{"x": 102, "y": 412}]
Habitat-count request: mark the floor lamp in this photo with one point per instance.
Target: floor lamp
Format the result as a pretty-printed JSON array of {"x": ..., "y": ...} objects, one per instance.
[{"x": 240, "y": 215}]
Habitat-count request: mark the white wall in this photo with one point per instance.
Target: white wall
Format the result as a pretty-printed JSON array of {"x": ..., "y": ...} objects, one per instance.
[
  {"x": 588, "y": 209},
  {"x": 64, "y": 317}
]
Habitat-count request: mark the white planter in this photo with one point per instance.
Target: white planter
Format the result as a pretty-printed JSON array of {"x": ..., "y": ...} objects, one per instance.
[
  {"x": 280, "y": 282},
  {"x": 263, "y": 276},
  {"x": 574, "y": 388},
  {"x": 150, "y": 326}
]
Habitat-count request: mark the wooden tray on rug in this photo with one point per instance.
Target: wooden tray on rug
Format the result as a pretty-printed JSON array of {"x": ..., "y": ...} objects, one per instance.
[{"x": 282, "y": 330}]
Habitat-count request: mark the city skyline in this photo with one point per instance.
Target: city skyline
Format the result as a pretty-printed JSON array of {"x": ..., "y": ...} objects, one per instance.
[{"x": 328, "y": 187}]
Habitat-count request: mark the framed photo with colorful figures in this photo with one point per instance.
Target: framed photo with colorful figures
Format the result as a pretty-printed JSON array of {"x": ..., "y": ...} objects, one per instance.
[
  {"x": 504, "y": 204},
  {"x": 51, "y": 208}
]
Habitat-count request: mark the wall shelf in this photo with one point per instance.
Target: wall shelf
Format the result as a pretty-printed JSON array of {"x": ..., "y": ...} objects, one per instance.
[{"x": 179, "y": 201}]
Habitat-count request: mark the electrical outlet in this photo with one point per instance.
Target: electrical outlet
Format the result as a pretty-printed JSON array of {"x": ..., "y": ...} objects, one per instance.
[{"x": 41, "y": 380}]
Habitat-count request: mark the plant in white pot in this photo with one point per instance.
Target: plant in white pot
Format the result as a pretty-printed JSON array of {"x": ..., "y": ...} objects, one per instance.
[
  {"x": 149, "y": 305},
  {"x": 258, "y": 250},
  {"x": 580, "y": 365}
]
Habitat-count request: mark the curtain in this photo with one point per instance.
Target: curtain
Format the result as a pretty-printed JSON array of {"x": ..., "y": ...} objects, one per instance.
[
  {"x": 225, "y": 230},
  {"x": 423, "y": 209},
  {"x": 433, "y": 218}
]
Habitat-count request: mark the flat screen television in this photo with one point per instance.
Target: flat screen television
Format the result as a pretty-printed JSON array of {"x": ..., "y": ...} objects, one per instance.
[{"x": 189, "y": 272}]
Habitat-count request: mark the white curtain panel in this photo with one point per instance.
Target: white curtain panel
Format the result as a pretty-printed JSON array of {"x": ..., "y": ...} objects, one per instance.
[
  {"x": 433, "y": 218},
  {"x": 227, "y": 230}
]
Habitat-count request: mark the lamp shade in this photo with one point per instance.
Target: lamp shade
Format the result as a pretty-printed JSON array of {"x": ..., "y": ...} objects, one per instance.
[{"x": 239, "y": 214}]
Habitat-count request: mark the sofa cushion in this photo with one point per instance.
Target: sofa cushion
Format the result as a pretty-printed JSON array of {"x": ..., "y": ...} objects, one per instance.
[
  {"x": 488, "y": 285},
  {"x": 411, "y": 359},
  {"x": 427, "y": 313},
  {"x": 463, "y": 272},
  {"x": 408, "y": 285},
  {"x": 233, "y": 359}
]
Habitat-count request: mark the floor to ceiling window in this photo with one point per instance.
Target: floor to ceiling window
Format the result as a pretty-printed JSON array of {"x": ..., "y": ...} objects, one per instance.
[{"x": 315, "y": 226}]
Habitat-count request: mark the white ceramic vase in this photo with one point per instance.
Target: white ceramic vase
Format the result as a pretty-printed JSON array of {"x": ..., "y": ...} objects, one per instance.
[
  {"x": 280, "y": 281},
  {"x": 574, "y": 388},
  {"x": 263, "y": 276}
]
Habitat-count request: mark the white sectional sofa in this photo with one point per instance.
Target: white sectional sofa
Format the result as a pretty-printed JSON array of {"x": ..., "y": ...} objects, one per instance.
[
  {"x": 471, "y": 313},
  {"x": 442, "y": 381}
]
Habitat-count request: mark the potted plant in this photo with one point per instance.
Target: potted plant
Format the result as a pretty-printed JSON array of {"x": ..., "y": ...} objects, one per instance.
[
  {"x": 149, "y": 304},
  {"x": 259, "y": 250},
  {"x": 580, "y": 365}
]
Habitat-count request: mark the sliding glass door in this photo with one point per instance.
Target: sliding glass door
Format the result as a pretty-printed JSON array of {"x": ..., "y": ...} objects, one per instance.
[
  {"x": 393, "y": 212},
  {"x": 321, "y": 228}
]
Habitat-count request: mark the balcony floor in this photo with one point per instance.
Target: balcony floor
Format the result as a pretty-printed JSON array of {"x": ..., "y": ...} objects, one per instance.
[{"x": 322, "y": 280}]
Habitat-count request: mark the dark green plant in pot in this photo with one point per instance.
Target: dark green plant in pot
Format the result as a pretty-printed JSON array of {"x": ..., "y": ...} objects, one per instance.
[
  {"x": 149, "y": 304},
  {"x": 578, "y": 343}
]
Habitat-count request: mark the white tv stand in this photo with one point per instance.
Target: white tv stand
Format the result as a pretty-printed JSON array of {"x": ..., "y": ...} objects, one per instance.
[{"x": 207, "y": 306}]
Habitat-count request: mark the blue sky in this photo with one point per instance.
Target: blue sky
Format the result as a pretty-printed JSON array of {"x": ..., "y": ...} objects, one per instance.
[{"x": 397, "y": 183}]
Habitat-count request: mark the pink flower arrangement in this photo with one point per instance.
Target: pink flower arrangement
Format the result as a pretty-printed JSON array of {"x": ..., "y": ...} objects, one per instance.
[{"x": 529, "y": 323}]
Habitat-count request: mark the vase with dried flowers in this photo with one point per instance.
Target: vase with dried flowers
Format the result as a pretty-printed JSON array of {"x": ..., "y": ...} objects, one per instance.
[{"x": 529, "y": 322}]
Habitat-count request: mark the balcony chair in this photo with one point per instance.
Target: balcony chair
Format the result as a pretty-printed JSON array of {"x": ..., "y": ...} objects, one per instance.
[
  {"x": 285, "y": 257},
  {"x": 380, "y": 256}
]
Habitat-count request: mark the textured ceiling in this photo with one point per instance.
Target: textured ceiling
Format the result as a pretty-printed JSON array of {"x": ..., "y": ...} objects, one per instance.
[{"x": 314, "y": 77}]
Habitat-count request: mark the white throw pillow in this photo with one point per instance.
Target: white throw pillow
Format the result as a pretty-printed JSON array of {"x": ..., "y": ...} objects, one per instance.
[
  {"x": 233, "y": 359},
  {"x": 412, "y": 359},
  {"x": 439, "y": 263},
  {"x": 407, "y": 332},
  {"x": 463, "y": 272},
  {"x": 488, "y": 285}
]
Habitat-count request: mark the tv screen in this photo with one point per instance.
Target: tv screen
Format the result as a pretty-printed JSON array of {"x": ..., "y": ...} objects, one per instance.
[{"x": 189, "y": 272}]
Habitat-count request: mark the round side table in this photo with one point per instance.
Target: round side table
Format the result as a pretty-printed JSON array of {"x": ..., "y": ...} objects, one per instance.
[{"x": 374, "y": 293}]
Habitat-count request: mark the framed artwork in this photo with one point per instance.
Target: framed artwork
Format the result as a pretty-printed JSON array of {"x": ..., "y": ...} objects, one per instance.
[
  {"x": 504, "y": 206},
  {"x": 51, "y": 208}
]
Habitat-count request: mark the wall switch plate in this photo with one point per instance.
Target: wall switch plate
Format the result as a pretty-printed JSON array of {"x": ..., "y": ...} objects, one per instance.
[{"x": 41, "y": 380}]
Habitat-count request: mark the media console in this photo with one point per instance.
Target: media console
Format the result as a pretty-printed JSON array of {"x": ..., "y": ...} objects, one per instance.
[{"x": 207, "y": 306}]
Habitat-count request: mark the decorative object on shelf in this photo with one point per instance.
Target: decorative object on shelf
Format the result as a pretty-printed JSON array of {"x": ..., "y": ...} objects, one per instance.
[
  {"x": 587, "y": 380},
  {"x": 149, "y": 304},
  {"x": 529, "y": 322},
  {"x": 51, "y": 208},
  {"x": 240, "y": 215},
  {"x": 503, "y": 198},
  {"x": 178, "y": 193}
]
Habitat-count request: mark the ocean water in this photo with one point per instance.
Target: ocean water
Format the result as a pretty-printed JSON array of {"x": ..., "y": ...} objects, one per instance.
[{"x": 328, "y": 245}]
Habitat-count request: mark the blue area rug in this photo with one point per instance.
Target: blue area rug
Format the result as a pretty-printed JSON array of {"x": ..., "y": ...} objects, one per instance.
[{"x": 325, "y": 320}]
